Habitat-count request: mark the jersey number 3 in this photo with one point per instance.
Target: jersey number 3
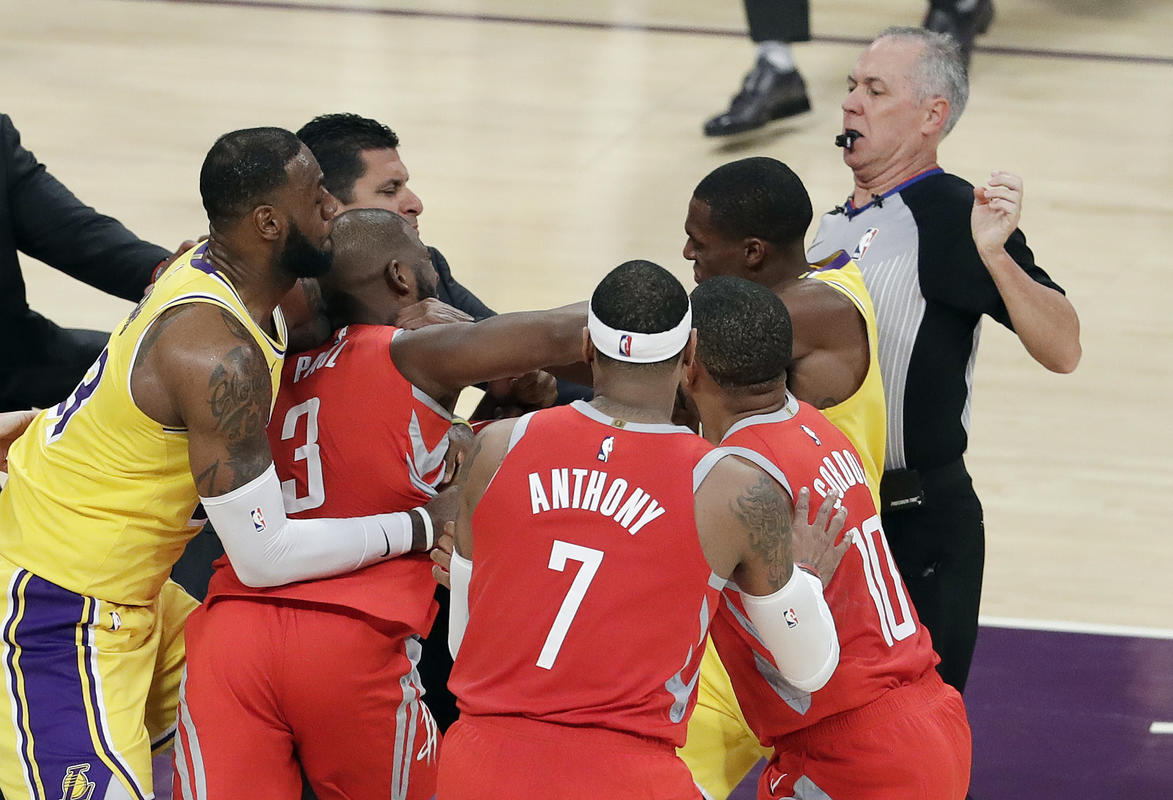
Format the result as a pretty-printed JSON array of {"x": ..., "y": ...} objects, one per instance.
[
  {"x": 80, "y": 396},
  {"x": 309, "y": 453},
  {"x": 590, "y": 559}
]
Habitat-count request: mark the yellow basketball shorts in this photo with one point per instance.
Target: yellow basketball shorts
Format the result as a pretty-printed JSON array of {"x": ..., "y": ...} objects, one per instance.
[
  {"x": 721, "y": 749},
  {"x": 88, "y": 688}
]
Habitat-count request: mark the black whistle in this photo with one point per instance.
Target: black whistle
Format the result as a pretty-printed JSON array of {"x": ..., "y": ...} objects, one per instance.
[{"x": 846, "y": 140}]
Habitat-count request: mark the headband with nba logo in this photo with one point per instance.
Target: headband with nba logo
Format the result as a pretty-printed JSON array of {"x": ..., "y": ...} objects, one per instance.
[{"x": 639, "y": 348}]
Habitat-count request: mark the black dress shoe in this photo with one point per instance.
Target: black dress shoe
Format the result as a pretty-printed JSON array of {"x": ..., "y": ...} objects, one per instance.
[
  {"x": 767, "y": 94},
  {"x": 962, "y": 26}
]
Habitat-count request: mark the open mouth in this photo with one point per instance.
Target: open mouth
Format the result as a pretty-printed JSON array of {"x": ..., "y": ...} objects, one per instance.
[{"x": 847, "y": 139}]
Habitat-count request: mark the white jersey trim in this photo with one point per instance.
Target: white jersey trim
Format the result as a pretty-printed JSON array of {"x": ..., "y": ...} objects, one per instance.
[
  {"x": 430, "y": 402},
  {"x": 789, "y": 410},
  {"x": 519, "y": 430},
  {"x": 766, "y": 465},
  {"x": 705, "y": 466}
]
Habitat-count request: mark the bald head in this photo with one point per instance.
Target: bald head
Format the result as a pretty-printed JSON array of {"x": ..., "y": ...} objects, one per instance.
[{"x": 380, "y": 265}]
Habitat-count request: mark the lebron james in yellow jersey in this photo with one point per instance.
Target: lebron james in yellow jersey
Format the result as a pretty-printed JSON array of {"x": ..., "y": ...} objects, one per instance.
[
  {"x": 97, "y": 463},
  {"x": 748, "y": 219},
  {"x": 104, "y": 487}
]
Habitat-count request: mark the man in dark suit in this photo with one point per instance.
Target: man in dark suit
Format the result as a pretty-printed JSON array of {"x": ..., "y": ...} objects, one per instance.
[
  {"x": 359, "y": 157},
  {"x": 41, "y": 362},
  {"x": 360, "y": 160}
]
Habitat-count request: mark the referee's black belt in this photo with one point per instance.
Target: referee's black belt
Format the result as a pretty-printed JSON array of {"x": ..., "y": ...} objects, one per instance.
[{"x": 904, "y": 489}]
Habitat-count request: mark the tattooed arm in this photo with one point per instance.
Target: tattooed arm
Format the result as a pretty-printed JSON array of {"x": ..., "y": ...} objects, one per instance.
[
  {"x": 745, "y": 519},
  {"x": 200, "y": 368}
]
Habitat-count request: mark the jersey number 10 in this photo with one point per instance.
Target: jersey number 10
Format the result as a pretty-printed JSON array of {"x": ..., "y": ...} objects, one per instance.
[{"x": 884, "y": 582}]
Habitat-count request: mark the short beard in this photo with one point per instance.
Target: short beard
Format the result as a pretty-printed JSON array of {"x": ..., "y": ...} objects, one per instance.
[
  {"x": 300, "y": 259},
  {"x": 423, "y": 289}
]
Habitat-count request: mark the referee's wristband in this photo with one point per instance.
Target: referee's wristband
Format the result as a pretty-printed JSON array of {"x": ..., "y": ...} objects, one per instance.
[{"x": 462, "y": 421}]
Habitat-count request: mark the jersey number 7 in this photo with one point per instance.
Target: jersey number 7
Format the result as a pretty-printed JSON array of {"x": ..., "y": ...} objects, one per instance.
[{"x": 590, "y": 559}]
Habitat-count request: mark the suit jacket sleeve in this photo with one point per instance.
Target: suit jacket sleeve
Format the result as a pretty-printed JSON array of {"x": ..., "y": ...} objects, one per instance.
[
  {"x": 49, "y": 223},
  {"x": 455, "y": 295}
]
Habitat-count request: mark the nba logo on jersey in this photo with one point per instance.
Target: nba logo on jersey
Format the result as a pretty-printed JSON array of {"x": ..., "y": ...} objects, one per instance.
[
  {"x": 791, "y": 618},
  {"x": 811, "y": 434},
  {"x": 75, "y": 785},
  {"x": 606, "y": 447},
  {"x": 625, "y": 344},
  {"x": 258, "y": 519},
  {"x": 865, "y": 242}
]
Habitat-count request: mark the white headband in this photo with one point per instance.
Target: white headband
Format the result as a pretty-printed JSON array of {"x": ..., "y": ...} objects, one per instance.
[{"x": 639, "y": 348}]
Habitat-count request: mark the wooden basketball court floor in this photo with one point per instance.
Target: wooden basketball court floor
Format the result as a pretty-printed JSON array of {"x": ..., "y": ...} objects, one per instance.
[{"x": 551, "y": 141}]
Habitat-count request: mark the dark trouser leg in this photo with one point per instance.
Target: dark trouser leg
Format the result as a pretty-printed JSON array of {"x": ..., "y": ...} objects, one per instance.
[
  {"x": 773, "y": 89},
  {"x": 778, "y": 20},
  {"x": 49, "y": 366},
  {"x": 939, "y": 549},
  {"x": 435, "y": 666},
  {"x": 193, "y": 570},
  {"x": 961, "y": 19}
]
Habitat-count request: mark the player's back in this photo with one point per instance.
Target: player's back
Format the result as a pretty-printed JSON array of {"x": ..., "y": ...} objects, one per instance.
[
  {"x": 882, "y": 643},
  {"x": 101, "y": 498},
  {"x": 351, "y": 436},
  {"x": 863, "y": 417},
  {"x": 590, "y": 595}
]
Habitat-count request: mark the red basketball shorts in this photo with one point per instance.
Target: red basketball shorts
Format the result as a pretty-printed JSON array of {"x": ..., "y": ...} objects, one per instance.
[
  {"x": 272, "y": 685},
  {"x": 913, "y": 743},
  {"x": 524, "y": 759}
]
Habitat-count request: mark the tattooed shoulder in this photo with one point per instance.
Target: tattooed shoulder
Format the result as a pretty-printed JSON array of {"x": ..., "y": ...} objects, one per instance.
[
  {"x": 764, "y": 515},
  {"x": 239, "y": 394}
]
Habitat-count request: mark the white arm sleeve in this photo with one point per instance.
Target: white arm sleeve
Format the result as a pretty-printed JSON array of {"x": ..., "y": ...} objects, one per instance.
[
  {"x": 797, "y": 627},
  {"x": 268, "y": 549},
  {"x": 460, "y": 576}
]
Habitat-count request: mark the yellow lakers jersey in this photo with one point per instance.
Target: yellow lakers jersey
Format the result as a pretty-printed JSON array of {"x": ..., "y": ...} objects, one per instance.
[
  {"x": 100, "y": 498},
  {"x": 863, "y": 417}
]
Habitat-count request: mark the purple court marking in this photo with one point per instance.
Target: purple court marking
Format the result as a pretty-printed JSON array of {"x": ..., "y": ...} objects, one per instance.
[
  {"x": 1077, "y": 55},
  {"x": 1059, "y": 715}
]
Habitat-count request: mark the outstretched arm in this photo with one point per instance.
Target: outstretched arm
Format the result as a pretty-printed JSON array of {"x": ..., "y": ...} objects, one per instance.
[
  {"x": 52, "y": 225},
  {"x": 1044, "y": 319},
  {"x": 199, "y": 368},
  {"x": 443, "y": 359}
]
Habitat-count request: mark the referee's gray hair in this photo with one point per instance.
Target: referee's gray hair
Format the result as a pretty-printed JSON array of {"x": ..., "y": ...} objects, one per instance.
[{"x": 940, "y": 69}]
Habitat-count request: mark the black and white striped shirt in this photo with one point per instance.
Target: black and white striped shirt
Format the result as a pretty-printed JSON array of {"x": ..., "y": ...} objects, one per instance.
[{"x": 930, "y": 289}]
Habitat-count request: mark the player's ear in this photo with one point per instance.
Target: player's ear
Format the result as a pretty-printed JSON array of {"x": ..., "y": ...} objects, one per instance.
[
  {"x": 588, "y": 347},
  {"x": 265, "y": 221},
  {"x": 755, "y": 253},
  {"x": 690, "y": 360},
  {"x": 691, "y": 372},
  {"x": 396, "y": 277}
]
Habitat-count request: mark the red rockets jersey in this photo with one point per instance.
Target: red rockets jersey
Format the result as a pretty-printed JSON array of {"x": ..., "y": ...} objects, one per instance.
[
  {"x": 590, "y": 594},
  {"x": 882, "y": 643},
  {"x": 350, "y": 437}
]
